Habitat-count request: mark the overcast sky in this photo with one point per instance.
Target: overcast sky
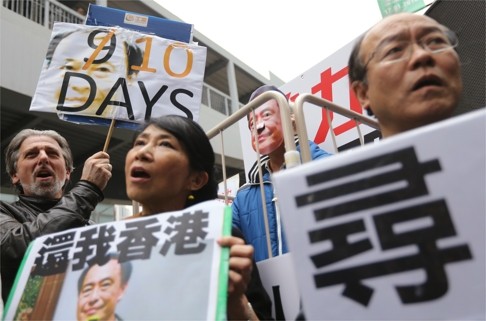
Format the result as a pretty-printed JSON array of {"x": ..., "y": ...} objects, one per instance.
[{"x": 286, "y": 37}]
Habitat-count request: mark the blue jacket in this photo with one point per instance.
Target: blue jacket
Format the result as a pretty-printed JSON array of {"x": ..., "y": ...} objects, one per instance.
[{"x": 248, "y": 211}]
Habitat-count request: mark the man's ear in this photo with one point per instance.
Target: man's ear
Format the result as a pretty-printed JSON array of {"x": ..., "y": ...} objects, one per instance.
[
  {"x": 66, "y": 181},
  {"x": 122, "y": 292},
  {"x": 361, "y": 91},
  {"x": 198, "y": 180},
  {"x": 15, "y": 179}
]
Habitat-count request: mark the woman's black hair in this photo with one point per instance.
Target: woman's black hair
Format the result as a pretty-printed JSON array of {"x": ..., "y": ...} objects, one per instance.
[{"x": 198, "y": 148}]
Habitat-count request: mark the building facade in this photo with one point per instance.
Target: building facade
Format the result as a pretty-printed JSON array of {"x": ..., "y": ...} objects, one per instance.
[{"x": 25, "y": 32}]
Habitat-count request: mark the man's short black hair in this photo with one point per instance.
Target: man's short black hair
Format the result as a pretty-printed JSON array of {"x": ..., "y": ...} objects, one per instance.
[
  {"x": 260, "y": 90},
  {"x": 126, "y": 269}
]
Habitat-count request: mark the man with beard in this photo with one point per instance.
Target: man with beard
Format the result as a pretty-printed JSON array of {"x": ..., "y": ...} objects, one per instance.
[{"x": 40, "y": 163}]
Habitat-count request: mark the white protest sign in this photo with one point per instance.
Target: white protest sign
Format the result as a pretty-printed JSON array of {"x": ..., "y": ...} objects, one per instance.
[
  {"x": 329, "y": 80},
  {"x": 178, "y": 271},
  {"x": 279, "y": 280},
  {"x": 111, "y": 72},
  {"x": 393, "y": 230}
]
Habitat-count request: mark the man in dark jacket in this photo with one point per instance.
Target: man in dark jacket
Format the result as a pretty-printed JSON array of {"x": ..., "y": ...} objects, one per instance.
[
  {"x": 40, "y": 164},
  {"x": 247, "y": 206}
]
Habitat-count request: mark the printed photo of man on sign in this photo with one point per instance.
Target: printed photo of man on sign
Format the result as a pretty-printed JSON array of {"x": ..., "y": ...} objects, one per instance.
[{"x": 111, "y": 72}]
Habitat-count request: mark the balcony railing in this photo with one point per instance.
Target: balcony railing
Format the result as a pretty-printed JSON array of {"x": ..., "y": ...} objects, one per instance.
[
  {"x": 46, "y": 12},
  {"x": 216, "y": 100}
]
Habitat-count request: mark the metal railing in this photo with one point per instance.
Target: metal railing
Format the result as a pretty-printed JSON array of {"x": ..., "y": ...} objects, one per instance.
[
  {"x": 44, "y": 12},
  {"x": 298, "y": 109},
  {"x": 292, "y": 159},
  {"x": 292, "y": 156}
]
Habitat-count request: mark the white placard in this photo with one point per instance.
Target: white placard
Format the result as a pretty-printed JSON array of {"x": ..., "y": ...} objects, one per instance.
[
  {"x": 112, "y": 72},
  {"x": 393, "y": 230},
  {"x": 279, "y": 280},
  {"x": 172, "y": 255}
]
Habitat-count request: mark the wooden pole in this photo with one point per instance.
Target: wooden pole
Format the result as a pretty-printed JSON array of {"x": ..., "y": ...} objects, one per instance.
[{"x": 108, "y": 136}]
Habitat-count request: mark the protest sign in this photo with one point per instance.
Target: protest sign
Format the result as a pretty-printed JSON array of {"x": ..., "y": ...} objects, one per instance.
[
  {"x": 393, "y": 230},
  {"x": 178, "y": 271},
  {"x": 279, "y": 280},
  {"x": 106, "y": 16},
  {"x": 115, "y": 73}
]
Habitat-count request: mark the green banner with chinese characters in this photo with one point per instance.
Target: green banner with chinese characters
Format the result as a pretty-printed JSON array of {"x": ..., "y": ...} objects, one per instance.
[{"x": 389, "y": 7}]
